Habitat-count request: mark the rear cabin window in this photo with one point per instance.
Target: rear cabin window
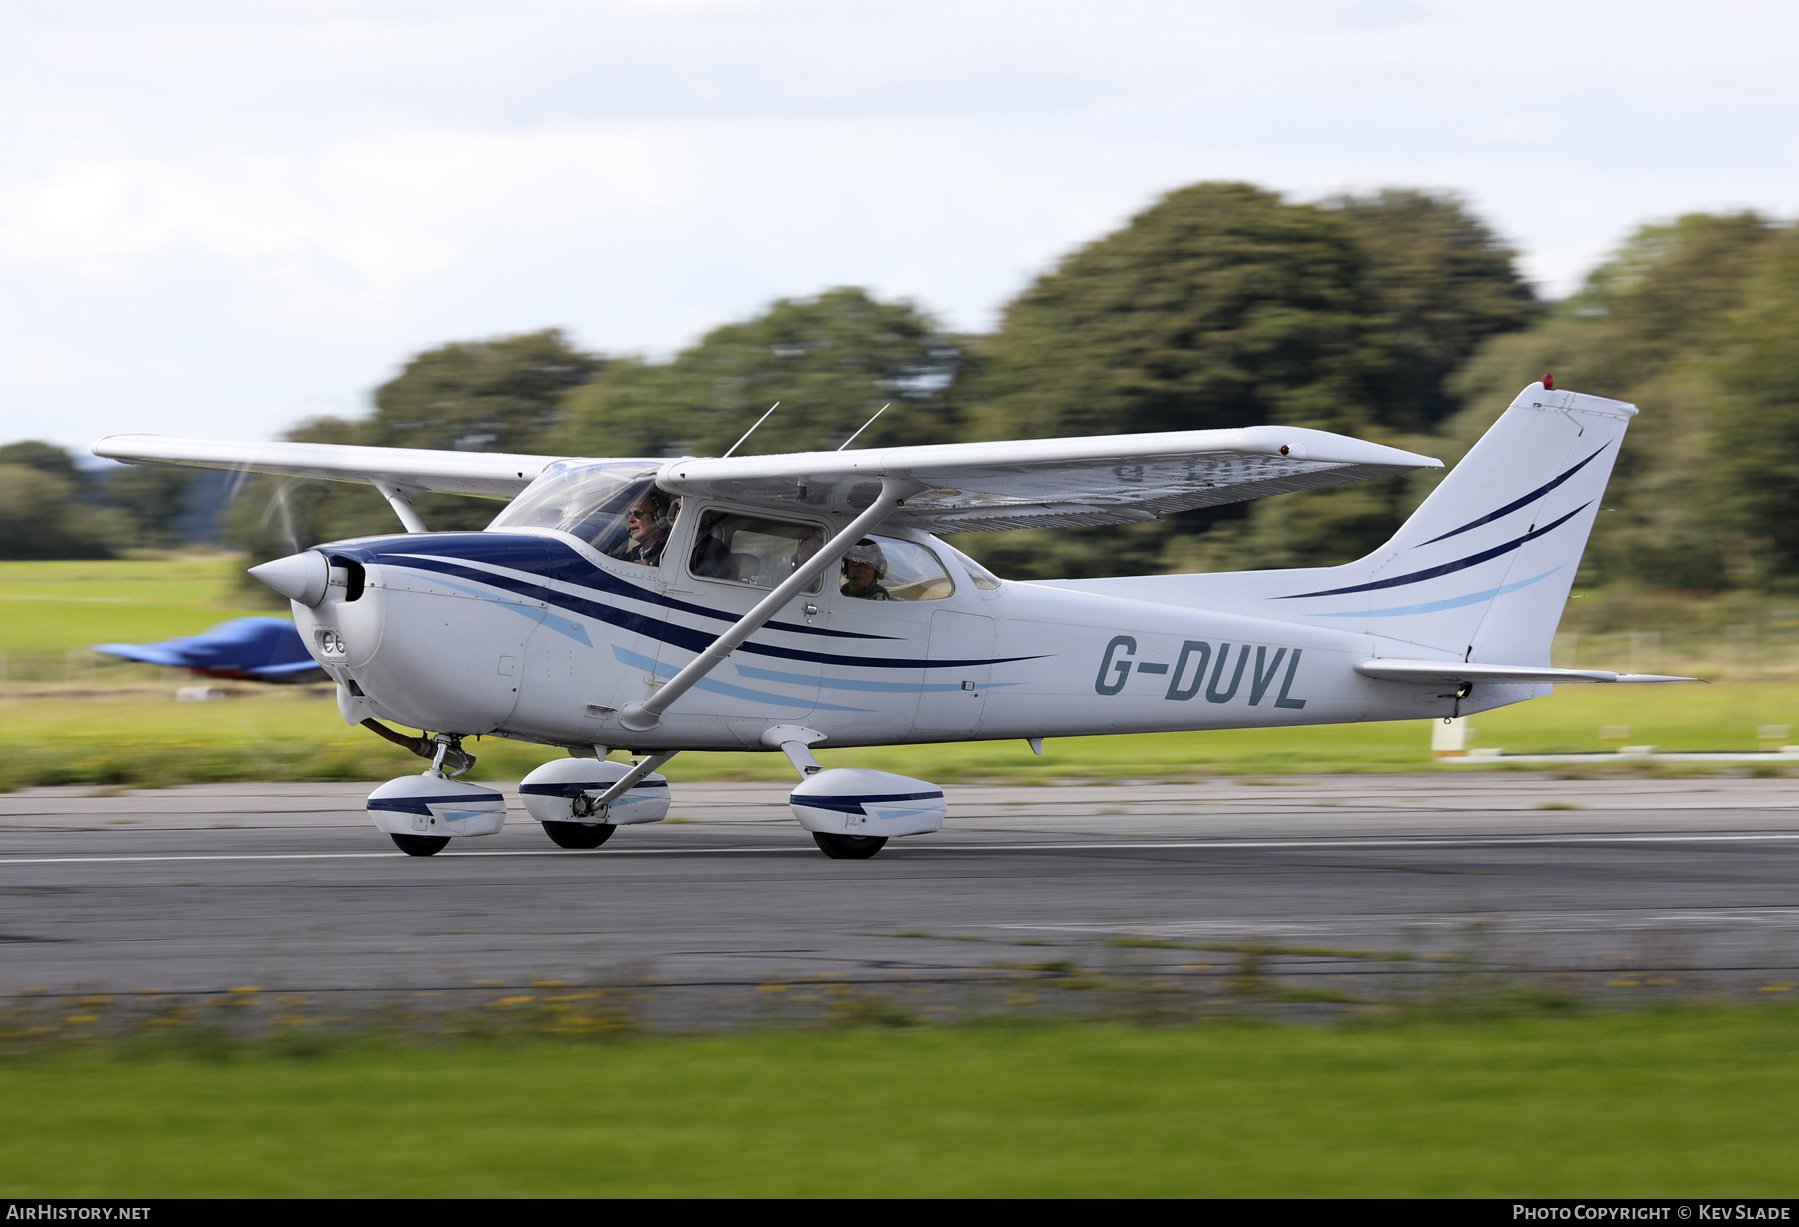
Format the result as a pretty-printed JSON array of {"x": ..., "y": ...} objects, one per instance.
[
  {"x": 744, "y": 549},
  {"x": 982, "y": 577},
  {"x": 888, "y": 569}
]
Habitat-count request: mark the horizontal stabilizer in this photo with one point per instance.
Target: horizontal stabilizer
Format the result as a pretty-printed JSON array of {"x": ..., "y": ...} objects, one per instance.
[{"x": 1454, "y": 672}]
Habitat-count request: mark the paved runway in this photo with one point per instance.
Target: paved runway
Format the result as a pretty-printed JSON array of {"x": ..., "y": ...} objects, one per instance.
[{"x": 288, "y": 887}]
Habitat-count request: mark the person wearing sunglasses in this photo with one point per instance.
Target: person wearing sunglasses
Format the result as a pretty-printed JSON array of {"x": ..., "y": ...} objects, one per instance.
[{"x": 647, "y": 524}]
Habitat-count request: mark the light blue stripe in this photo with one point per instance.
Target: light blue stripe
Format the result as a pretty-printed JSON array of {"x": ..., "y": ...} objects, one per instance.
[
  {"x": 556, "y": 622},
  {"x": 637, "y": 661},
  {"x": 1454, "y": 602},
  {"x": 844, "y": 683}
]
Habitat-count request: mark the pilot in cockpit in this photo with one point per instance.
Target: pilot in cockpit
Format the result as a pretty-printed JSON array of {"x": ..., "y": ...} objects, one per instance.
[
  {"x": 647, "y": 524},
  {"x": 864, "y": 567}
]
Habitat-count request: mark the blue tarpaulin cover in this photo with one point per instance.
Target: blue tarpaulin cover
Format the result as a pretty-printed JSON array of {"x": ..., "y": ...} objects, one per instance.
[{"x": 258, "y": 649}]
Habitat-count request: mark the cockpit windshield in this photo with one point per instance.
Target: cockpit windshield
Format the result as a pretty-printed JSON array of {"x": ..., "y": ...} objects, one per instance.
[{"x": 589, "y": 501}]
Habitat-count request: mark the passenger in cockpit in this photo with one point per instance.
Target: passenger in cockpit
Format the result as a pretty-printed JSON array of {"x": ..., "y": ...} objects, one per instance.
[
  {"x": 864, "y": 567},
  {"x": 809, "y": 546},
  {"x": 647, "y": 523}
]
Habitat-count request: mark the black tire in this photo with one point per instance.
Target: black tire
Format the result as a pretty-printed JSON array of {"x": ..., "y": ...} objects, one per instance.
[
  {"x": 578, "y": 834},
  {"x": 420, "y": 845},
  {"x": 849, "y": 847}
]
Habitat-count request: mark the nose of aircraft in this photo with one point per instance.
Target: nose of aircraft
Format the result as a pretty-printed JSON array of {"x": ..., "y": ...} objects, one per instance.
[{"x": 299, "y": 577}]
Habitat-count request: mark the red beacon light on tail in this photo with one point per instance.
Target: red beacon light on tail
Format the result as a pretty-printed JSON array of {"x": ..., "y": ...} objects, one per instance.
[{"x": 1548, "y": 383}]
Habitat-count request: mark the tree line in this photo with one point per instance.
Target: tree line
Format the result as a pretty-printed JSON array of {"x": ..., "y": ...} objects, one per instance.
[
  {"x": 50, "y": 508},
  {"x": 1398, "y": 316}
]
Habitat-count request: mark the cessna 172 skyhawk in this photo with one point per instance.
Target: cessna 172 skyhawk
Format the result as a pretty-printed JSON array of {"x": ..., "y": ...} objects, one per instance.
[{"x": 661, "y": 606}]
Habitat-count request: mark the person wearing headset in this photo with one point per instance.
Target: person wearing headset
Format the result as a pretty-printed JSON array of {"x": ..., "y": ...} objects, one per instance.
[
  {"x": 864, "y": 567},
  {"x": 648, "y": 523}
]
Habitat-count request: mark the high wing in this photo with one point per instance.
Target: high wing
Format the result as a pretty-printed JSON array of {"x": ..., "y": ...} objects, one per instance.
[
  {"x": 488, "y": 474},
  {"x": 968, "y": 487},
  {"x": 1043, "y": 483}
]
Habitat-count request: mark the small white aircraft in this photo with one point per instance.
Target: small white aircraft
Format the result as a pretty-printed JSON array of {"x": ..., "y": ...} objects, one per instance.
[{"x": 661, "y": 606}]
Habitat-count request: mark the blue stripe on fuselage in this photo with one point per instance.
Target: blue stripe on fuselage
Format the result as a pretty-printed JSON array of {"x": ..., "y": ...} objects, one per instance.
[
  {"x": 1454, "y": 602},
  {"x": 557, "y": 556},
  {"x": 1517, "y": 504},
  {"x": 1448, "y": 568},
  {"x": 549, "y": 558},
  {"x": 639, "y": 661}
]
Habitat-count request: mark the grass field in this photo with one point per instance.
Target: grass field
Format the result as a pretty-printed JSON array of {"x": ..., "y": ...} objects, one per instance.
[
  {"x": 288, "y": 734},
  {"x": 129, "y": 729},
  {"x": 1679, "y": 1103},
  {"x": 50, "y": 607}
]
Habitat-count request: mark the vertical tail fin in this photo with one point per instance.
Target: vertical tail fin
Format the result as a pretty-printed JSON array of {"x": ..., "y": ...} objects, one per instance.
[{"x": 1483, "y": 567}]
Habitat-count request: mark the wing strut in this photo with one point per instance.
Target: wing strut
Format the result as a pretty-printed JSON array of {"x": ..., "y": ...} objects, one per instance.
[
  {"x": 626, "y": 782},
  {"x": 644, "y": 716},
  {"x": 400, "y": 499}
]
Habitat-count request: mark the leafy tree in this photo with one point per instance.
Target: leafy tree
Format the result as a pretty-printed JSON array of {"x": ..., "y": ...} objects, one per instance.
[
  {"x": 1224, "y": 306},
  {"x": 831, "y": 361},
  {"x": 1219, "y": 306},
  {"x": 40, "y": 517},
  {"x": 1653, "y": 325},
  {"x": 154, "y": 499},
  {"x": 500, "y": 395},
  {"x": 44, "y": 457},
  {"x": 1444, "y": 283},
  {"x": 1755, "y": 434}
]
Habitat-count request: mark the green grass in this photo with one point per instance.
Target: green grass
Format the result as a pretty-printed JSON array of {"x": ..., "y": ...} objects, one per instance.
[
  {"x": 1673, "y": 1104},
  {"x": 50, "y": 607},
  {"x": 289, "y": 734}
]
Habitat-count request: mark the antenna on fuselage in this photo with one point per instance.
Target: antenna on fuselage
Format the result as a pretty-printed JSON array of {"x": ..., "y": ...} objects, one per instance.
[
  {"x": 865, "y": 425},
  {"x": 752, "y": 430}
]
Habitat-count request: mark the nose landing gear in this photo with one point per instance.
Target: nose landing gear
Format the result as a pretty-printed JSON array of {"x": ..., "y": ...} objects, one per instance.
[{"x": 421, "y": 813}]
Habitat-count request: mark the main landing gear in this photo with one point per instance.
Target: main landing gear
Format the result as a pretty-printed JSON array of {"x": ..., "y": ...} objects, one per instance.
[
  {"x": 579, "y": 834},
  {"x": 574, "y": 797},
  {"x": 848, "y": 847},
  {"x": 852, "y": 811}
]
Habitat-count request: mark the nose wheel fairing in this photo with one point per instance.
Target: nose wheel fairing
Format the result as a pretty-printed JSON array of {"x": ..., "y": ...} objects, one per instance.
[{"x": 435, "y": 806}]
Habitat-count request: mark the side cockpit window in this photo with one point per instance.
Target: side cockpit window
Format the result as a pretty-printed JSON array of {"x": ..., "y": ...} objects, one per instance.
[{"x": 746, "y": 549}]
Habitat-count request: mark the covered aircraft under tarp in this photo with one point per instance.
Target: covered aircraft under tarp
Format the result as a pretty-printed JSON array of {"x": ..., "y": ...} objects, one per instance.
[{"x": 248, "y": 649}]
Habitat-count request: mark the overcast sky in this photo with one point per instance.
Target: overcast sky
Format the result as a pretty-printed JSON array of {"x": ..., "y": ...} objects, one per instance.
[{"x": 217, "y": 218}]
